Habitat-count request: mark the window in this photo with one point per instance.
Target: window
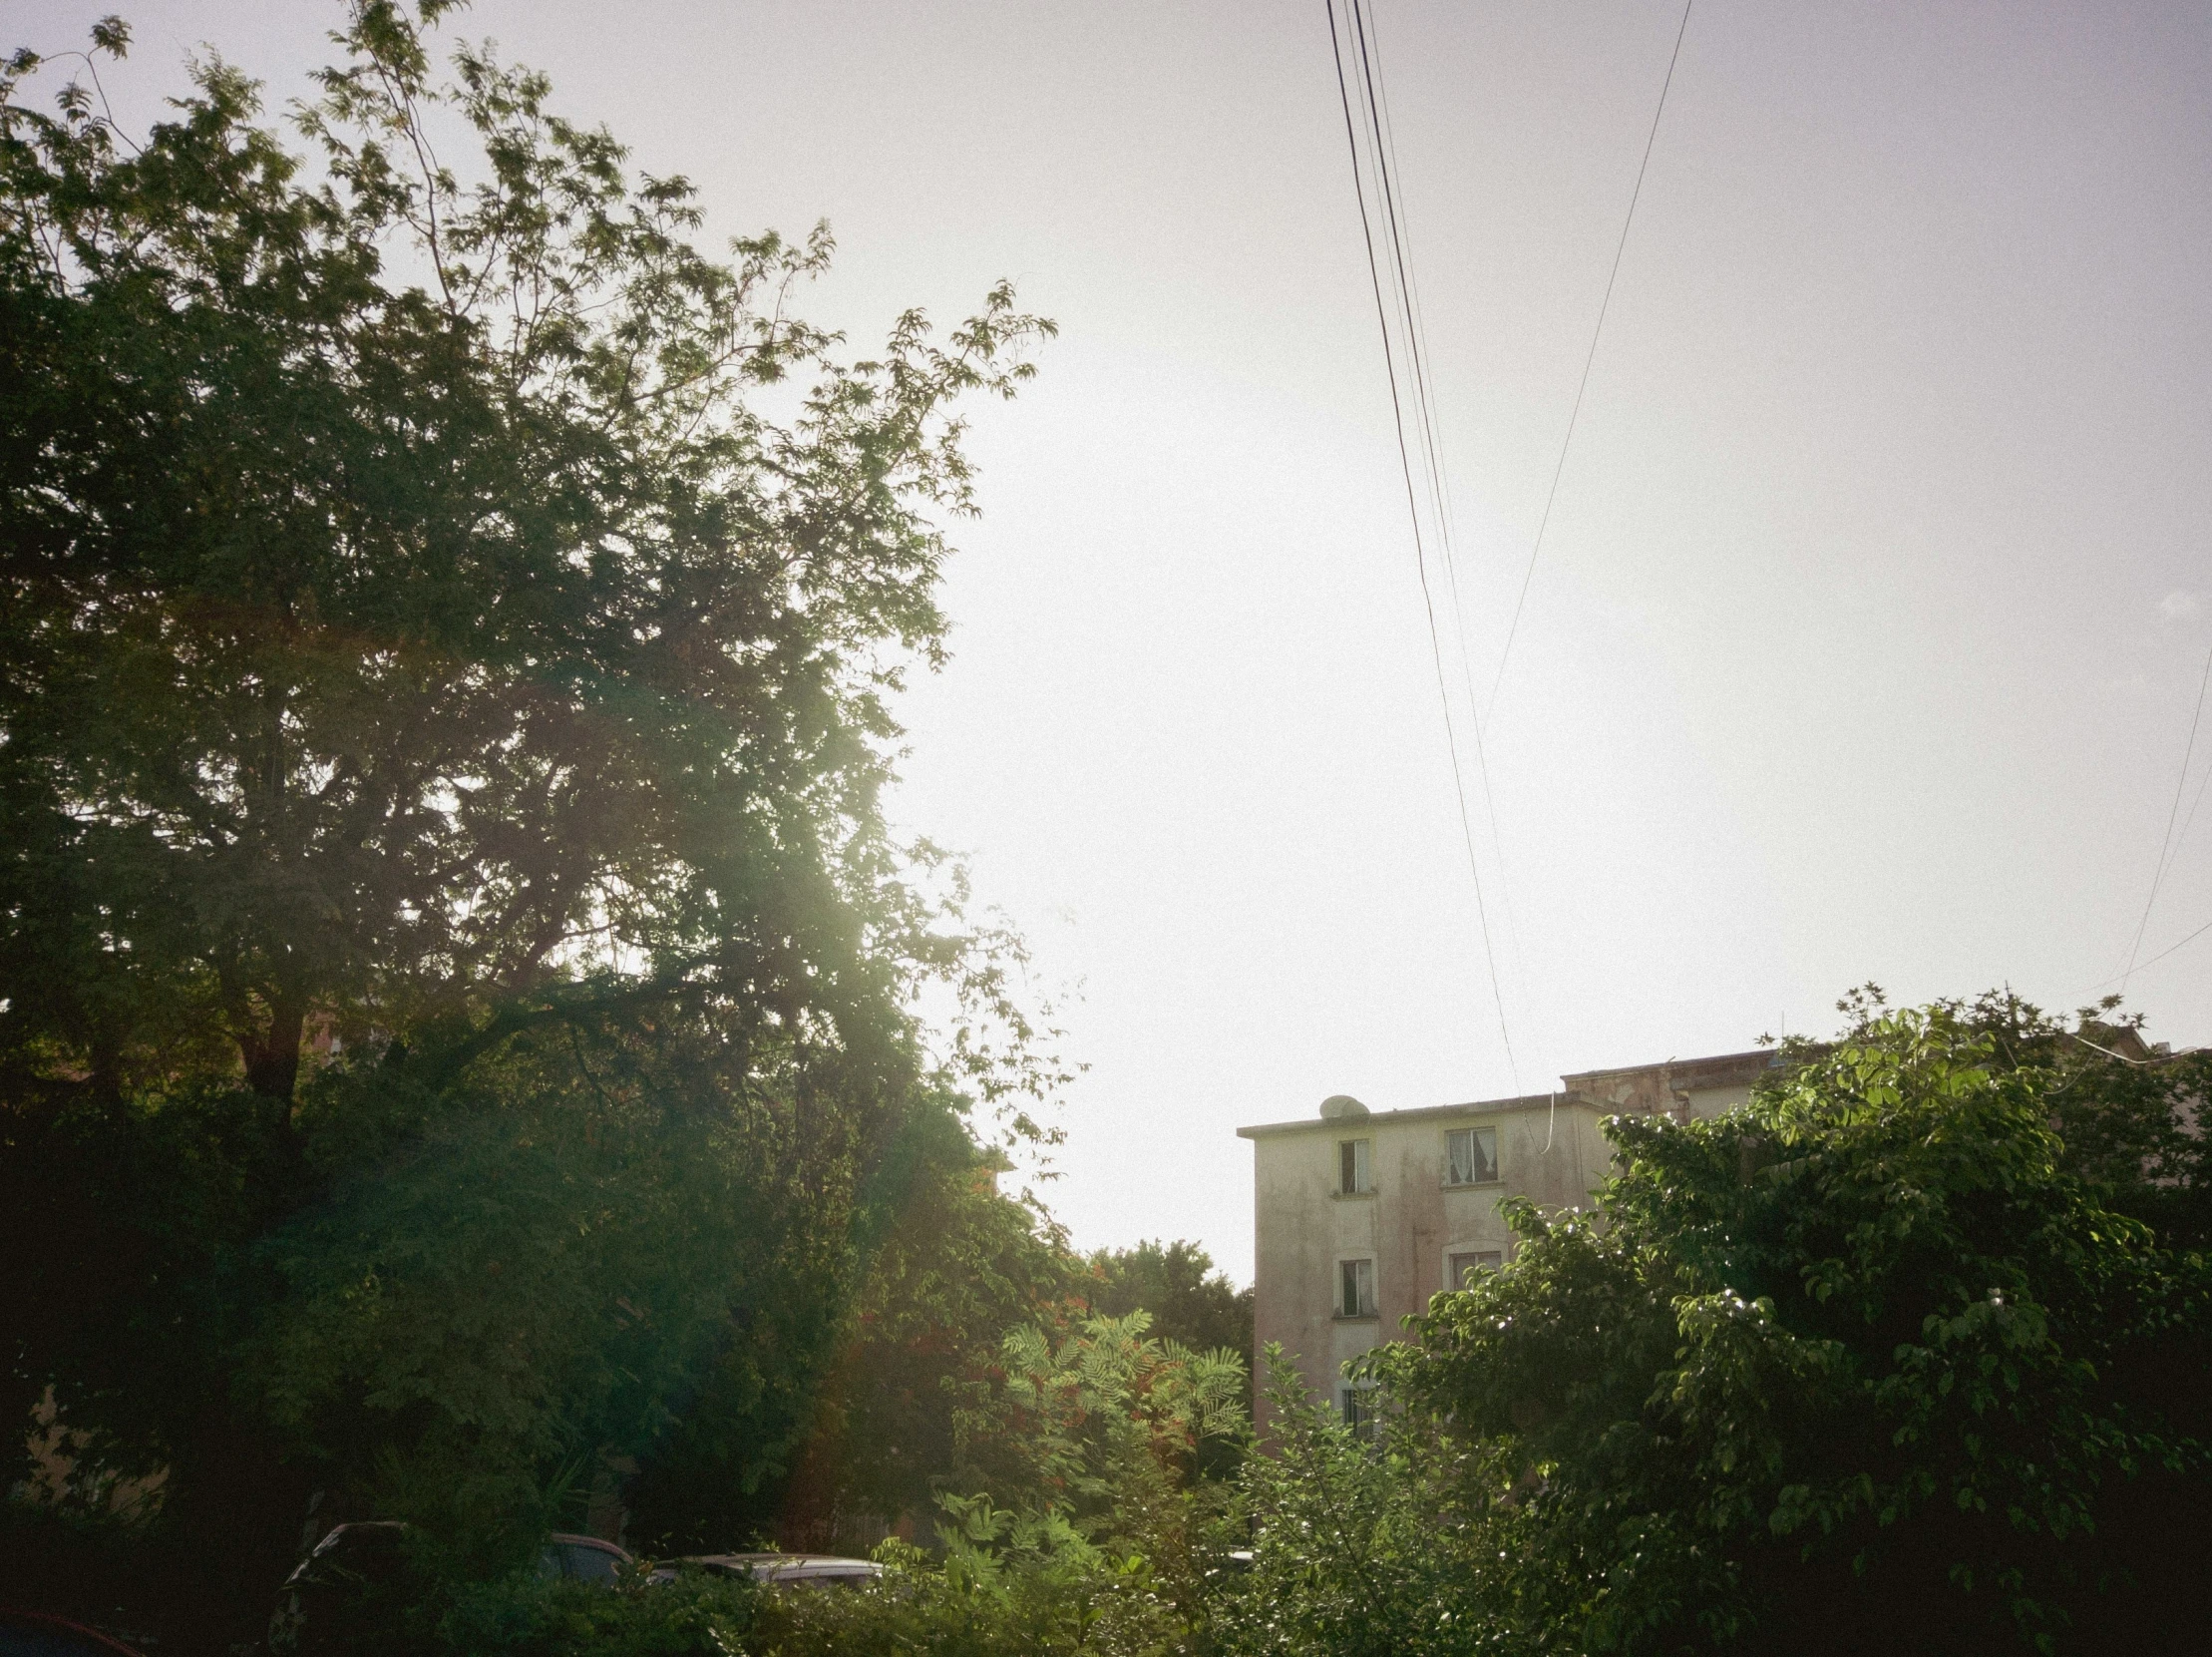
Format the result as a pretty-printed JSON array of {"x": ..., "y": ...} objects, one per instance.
[
  {"x": 1471, "y": 1260},
  {"x": 1471, "y": 1156},
  {"x": 1354, "y": 1175},
  {"x": 1355, "y": 1288},
  {"x": 1358, "y": 1414},
  {"x": 580, "y": 1560}
]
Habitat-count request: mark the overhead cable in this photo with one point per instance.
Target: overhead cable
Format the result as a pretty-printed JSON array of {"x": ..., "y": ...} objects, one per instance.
[
  {"x": 2168, "y": 950},
  {"x": 2169, "y": 847},
  {"x": 1573, "y": 414},
  {"x": 1416, "y": 338},
  {"x": 1404, "y": 342},
  {"x": 1368, "y": 42}
]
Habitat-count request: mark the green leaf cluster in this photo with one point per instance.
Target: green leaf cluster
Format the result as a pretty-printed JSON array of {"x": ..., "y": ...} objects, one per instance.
[
  {"x": 1874, "y": 1362},
  {"x": 461, "y": 1050},
  {"x": 1176, "y": 1282},
  {"x": 1090, "y": 1434},
  {"x": 1367, "y": 1541}
]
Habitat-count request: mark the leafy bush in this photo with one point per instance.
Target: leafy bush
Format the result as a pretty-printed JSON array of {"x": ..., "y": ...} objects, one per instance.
[
  {"x": 1034, "y": 1605},
  {"x": 1365, "y": 1541},
  {"x": 1190, "y": 1303},
  {"x": 1865, "y": 1365}
]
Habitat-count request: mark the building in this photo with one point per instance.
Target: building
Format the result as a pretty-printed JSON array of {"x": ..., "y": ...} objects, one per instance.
[{"x": 1360, "y": 1216}]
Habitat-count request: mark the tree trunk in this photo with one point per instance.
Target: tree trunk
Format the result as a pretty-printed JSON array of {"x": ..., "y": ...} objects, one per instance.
[{"x": 273, "y": 1054}]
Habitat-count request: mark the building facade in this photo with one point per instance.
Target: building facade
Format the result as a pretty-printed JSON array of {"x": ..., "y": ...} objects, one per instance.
[{"x": 1360, "y": 1216}]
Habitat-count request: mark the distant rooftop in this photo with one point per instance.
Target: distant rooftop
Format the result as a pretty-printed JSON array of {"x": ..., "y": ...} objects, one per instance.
[
  {"x": 1739, "y": 1066},
  {"x": 1579, "y": 1088}
]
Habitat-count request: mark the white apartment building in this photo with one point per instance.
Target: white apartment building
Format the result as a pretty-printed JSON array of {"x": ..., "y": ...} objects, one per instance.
[{"x": 1360, "y": 1216}]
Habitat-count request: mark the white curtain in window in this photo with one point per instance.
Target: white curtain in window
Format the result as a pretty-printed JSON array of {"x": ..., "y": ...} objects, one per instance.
[{"x": 1473, "y": 1155}]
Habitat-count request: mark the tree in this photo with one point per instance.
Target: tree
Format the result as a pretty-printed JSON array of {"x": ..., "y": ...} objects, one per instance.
[
  {"x": 1866, "y": 1365},
  {"x": 2128, "y": 1114},
  {"x": 457, "y": 989},
  {"x": 952, "y": 1265},
  {"x": 388, "y": 653},
  {"x": 1189, "y": 1302},
  {"x": 1082, "y": 1446},
  {"x": 1369, "y": 1539}
]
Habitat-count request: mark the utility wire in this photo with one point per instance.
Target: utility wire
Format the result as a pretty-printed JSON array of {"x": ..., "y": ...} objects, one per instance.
[
  {"x": 2146, "y": 964},
  {"x": 1416, "y": 335},
  {"x": 2189, "y": 822},
  {"x": 1596, "y": 334},
  {"x": 1366, "y": 50},
  {"x": 1369, "y": 43},
  {"x": 1387, "y": 200},
  {"x": 2168, "y": 950},
  {"x": 2168, "y": 845}
]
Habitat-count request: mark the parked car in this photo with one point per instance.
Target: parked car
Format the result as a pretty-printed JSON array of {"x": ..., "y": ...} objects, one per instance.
[
  {"x": 355, "y": 1577},
  {"x": 359, "y": 1572},
  {"x": 789, "y": 1570},
  {"x": 45, "y": 1634},
  {"x": 583, "y": 1560}
]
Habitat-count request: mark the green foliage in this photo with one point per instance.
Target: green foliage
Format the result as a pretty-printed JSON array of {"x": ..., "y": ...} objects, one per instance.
[
  {"x": 2127, "y": 1113},
  {"x": 956, "y": 1266},
  {"x": 1088, "y": 1434},
  {"x": 1864, "y": 1363},
  {"x": 1190, "y": 1303},
  {"x": 1063, "y": 1604},
  {"x": 618, "y": 1231},
  {"x": 918, "y": 1606},
  {"x": 414, "y": 619},
  {"x": 1362, "y": 1542},
  {"x": 522, "y": 1616},
  {"x": 458, "y": 993}
]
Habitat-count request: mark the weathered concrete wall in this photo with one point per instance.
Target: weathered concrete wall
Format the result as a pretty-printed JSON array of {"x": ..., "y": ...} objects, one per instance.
[
  {"x": 1407, "y": 1225},
  {"x": 1550, "y": 1148}
]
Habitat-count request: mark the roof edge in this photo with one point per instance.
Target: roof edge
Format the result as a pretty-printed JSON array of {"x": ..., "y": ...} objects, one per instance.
[
  {"x": 1767, "y": 1059},
  {"x": 1473, "y": 1107}
]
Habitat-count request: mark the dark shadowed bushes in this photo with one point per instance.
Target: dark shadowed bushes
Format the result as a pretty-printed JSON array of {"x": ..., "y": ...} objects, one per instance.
[{"x": 459, "y": 1033}]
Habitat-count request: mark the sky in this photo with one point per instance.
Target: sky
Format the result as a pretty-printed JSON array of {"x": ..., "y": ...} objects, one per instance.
[{"x": 1869, "y": 623}]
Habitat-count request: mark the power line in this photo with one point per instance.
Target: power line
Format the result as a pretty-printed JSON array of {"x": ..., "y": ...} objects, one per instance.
[
  {"x": 1596, "y": 333},
  {"x": 1418, "y": 375},
  {"x": 2144, "y": 966},
  {"x": 2168, "y": 950},
  {"x": 2189, "y": 822},
  {"x": 2168, "y": 845},
  {"x": 1370, "y": 44}
]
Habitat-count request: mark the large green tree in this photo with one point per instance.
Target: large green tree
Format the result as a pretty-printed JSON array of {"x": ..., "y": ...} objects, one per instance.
[
  {"x": 952, "y": 1264},
  {"x": 411, "y": 613},
  {"x": 1189, "y": 1302},
  {"x": 1881, "y": 1361},
  {"x": 456, "y": 984}
]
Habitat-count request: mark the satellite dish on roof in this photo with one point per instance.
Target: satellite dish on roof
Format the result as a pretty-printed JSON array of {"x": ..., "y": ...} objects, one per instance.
[{"x": 1337, "y": 1107}]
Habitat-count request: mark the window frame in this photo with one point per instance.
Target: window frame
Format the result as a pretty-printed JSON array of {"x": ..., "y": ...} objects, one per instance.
[
  {"x": 1355, "y": 1168},
  {"x": 1355, "y": 1412},
  {"x": 1350, "y": 1277},
  {"x": 1454, "y": 1281},
  {"x": 1476, "y": 1131}
]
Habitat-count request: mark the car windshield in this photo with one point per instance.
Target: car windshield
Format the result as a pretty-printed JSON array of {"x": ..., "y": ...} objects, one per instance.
[
  {"x": 583, "y": 1563},
  {"x": 354, "y": 1552}
]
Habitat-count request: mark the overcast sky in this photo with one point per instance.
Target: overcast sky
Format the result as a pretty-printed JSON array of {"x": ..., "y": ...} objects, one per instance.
[{"x": 1873, "y": 610}]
